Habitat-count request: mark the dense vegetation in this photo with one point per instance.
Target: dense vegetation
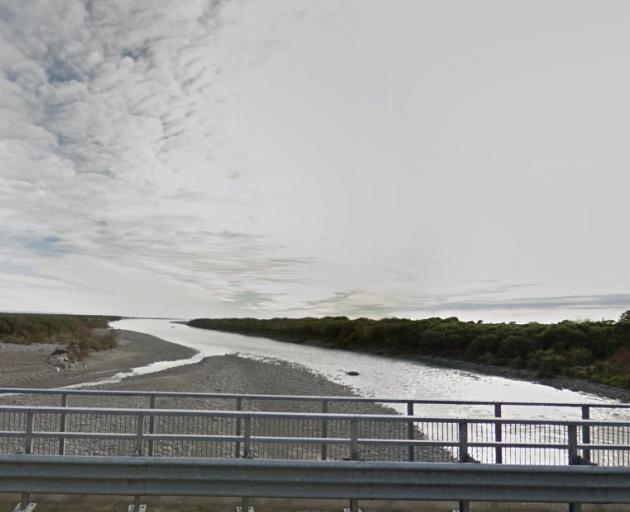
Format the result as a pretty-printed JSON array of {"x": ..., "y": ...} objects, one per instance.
[
  {"x": 80, "y": 333},
  {"x": 598, "y": 351}
]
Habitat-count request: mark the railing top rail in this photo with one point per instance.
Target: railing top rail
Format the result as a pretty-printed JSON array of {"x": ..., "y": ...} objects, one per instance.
[
  {"x": 248, "y": 396},
  {"x": 300, "y": 415}
]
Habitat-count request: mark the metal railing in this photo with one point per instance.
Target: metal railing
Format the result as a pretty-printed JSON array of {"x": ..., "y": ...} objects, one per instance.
[
  {"x": 351, "y": 404},
  {"x": 48, "y": 430},
  {"x": 304, "y": 403},
  {"x": 324, "y": 404},
  {"x": 135, "y": 450}
]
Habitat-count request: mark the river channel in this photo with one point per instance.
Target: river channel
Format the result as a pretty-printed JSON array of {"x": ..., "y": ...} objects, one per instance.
[{"x": 379, "y": 376}]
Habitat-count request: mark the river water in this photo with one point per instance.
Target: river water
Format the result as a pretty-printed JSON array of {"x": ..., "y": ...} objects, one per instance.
[{"x": 379, "y": 376}]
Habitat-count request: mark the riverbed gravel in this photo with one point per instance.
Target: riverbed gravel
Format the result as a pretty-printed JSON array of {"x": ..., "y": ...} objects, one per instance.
[{"x": 231, "y": 374}]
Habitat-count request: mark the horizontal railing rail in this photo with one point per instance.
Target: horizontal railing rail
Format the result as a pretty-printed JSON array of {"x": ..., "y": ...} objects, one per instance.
[{"x": 303, "y": 398}]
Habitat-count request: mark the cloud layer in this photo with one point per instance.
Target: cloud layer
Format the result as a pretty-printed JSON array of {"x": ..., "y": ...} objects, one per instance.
[
  {"x": 308, "y": 157},
  {"x": 107, "y": 141}
]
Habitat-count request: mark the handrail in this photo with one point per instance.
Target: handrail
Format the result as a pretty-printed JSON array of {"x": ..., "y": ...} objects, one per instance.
[
  {"x": 303, "y": 415},
  {"x": 32, "y": 411},
  {"x": 315, "y": 398}
]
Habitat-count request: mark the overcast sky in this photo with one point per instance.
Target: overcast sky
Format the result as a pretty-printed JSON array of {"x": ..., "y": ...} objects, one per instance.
[{"x": 309, "y": 157}]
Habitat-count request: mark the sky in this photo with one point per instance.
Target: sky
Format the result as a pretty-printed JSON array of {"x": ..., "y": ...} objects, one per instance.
[{"x": 314, "y": 157}]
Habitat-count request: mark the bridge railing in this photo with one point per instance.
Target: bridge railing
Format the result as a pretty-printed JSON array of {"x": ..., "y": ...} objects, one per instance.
[
  {"x": 313, "y": 403},
  {"x": 46, "y": 430}
]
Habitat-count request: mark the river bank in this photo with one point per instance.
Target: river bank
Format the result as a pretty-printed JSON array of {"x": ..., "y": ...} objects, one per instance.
[
  {"x": 230, "y": 374},
  {"x": 524, "y": 375},
  {"x": 592, "y": 350},
  {"x": 27, "y": 366},
  {"x": 560, "y": 382}
]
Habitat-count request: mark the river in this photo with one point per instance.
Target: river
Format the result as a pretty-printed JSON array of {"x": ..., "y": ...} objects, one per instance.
[{"x": 379, "y": 376}]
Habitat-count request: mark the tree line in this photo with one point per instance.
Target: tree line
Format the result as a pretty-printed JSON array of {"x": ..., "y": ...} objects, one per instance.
[
  {"x": 80, "y": 333},
  {"x": 594, "y": 350}
]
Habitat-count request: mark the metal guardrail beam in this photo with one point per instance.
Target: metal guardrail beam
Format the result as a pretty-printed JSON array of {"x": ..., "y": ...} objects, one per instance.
[{"x": 143, "y": 476}]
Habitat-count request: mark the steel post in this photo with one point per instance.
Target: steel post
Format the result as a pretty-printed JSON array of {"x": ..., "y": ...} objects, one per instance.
[
  {"x": 498, "y": 435},
  {"x": 410, "y": 432}
]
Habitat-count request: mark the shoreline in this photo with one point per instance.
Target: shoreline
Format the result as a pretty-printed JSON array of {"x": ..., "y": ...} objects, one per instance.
[
  {"x": 562, "y": 382},
  {"x": 26, "y": 365},
  {"x": 570, "y": 383}
]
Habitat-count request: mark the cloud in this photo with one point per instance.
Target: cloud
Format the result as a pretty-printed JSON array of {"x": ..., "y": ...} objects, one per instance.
[
  {"x": 47, "y": 246},
  {"x": 105, "y": 140},
  {"x": 569, "y": 302},
  {"x": 208, "y": 157},
  {"x": 477, "y": 301}
]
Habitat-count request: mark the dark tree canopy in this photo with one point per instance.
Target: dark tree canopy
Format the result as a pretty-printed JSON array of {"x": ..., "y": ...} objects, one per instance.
[{"x": 595, "y": 350}]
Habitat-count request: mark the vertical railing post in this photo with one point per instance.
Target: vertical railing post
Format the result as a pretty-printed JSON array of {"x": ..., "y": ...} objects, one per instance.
[
  {"x": 498, "y": 435},
  {"x": 354, "y": 439},
  {"x": 572, "y": 446},
  {"x": 324, "y": 429},
  {"x": 247, "y": 438},
  {"x": 463, "y": 442},
  {"x": 62, "y": 425},
  {"x": 237, "y": 447},
  {"x": 151, "y": 424},
  {"x": 464, "y": 506},
  {"x": 247, "y": 450},
  {"x": 28, "y": 434},
  {"x": 586, "y": 433},
  {"x": 573, "y": 458},
  {"x": 25, "y": 504},
  {"x": 410, "y": 432},
  {"x": 354, "y": 455},
  {"x": 140, "y": 435},
  {"x": 139, "y": 452}
]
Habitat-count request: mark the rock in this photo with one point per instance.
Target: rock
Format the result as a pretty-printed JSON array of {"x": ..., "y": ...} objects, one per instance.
[
  {"x": 352, "y": 373},
  {"x": 61, "y": 359}
]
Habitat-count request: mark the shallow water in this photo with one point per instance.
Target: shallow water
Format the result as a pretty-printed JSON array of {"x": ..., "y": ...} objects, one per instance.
[{"x": 378, "y": 376}]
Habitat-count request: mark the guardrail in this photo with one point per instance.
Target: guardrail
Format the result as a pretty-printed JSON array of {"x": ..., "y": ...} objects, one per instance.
[
  {"x": 309, "y": 436},
  {"x": 311, "y": 479},
  {"x": 39, "y": 441}
]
